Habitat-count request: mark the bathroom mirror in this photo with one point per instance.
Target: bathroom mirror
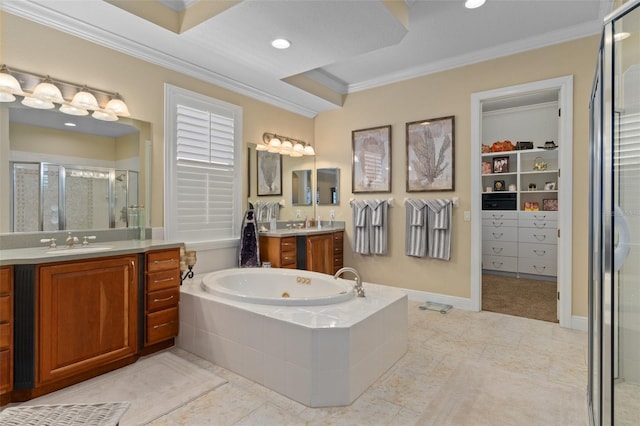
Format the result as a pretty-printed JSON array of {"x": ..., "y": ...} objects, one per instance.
[
  {"x": 301, "y": 191},
  {"x": 289, "y": 210},
  {"x": 95, "y": 154},
  {"x": 328, "y": 186}
]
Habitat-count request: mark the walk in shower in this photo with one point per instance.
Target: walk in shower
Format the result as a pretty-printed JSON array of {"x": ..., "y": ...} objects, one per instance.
[
  {"x": 614, "y": 315},
  {"x": 52, "y": 197}
]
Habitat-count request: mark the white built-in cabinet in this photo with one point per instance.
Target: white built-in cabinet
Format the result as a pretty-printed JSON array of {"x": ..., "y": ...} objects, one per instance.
[{"x": 520, "y": 198}]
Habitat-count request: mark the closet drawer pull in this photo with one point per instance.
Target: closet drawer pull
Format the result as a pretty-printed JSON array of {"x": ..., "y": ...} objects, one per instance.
[
  {"x": 540, "y": 237},
  {"x": 497, "y": 224},
  {"x": 497, "y": 250},
  {"x": 495, "y": 216},
  {"x": 539, "y": 268},
  {"x": 497, "y": 264},
  {"x": 535, "y": 216},
  {"x": 163, "y": 300},
  {"x": 164, "y": 280},
  {"x": 497, "y": 236},
  {"x": 540, "y": 252},
  {"x": 539, "y": 225}
]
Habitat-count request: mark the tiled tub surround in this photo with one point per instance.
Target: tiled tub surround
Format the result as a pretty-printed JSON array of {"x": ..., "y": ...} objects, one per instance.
[{"x": 320, "y": 356}]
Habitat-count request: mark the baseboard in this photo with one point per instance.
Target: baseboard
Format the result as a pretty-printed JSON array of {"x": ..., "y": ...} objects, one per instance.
[
  {"x": 423, "y": 296},
  {"x": 579, "y": 323}
]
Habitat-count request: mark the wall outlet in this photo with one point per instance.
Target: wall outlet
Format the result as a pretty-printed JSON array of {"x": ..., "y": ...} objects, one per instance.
[{"x": 467, "y": 216}]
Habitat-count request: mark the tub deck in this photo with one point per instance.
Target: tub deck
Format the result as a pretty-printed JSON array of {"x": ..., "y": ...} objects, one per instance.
[{"x": 320, "y": 356}]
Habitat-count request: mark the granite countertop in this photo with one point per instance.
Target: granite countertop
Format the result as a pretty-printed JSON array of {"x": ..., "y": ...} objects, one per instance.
[
  {"x": 35, "y": 255},
  {"x": 289, "y": 232}
]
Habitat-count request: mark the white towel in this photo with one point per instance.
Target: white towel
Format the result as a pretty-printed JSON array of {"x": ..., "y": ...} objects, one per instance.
[
  {"x": 416, "y": 228},
  {"x": 439, "y": 228},
  {"x": 361, "y": 219},
  {"x": 378, "y": 227}
]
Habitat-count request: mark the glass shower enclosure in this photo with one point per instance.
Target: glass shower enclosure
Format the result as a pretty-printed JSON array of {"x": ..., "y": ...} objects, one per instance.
[{"x": 614, "y": 243}]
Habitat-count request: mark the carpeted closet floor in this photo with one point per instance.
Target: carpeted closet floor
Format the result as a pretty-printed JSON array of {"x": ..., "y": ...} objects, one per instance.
[{"x": 520, "y": 297}]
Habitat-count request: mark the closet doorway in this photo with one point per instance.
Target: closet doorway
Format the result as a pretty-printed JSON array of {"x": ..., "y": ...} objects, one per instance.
[{"x": 521, "y": 200}]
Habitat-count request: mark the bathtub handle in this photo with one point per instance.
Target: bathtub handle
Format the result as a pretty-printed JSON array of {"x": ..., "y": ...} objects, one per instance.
[
  {"x": 163, "y": 300},
  {"x": 164, "y": 280},
  {"x": 163, "y": 325}
]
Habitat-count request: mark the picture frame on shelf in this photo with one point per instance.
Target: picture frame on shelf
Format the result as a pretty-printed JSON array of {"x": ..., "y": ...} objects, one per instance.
[
  {"x": 498, "y": 185},
  {"x": 430, "y": 146},
  {"x": 269, "y": 173},
  {"x": 371, "y": 160},
  {"x": 500, "y": 164},
  {"x": 487, "y": 168},
  {"x": 531, "y": 206},
  {"x": 550, "y": 186},
  {"x": 550, "y": 205}
]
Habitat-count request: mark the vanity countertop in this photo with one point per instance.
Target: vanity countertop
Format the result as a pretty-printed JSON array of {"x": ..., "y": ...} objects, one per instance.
[
  {"x": 36, "y": 255},
  {"x": 290, "y": 232}
]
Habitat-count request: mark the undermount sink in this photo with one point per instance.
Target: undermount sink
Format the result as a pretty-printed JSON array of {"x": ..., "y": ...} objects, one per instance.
[{"x": 78, "y": 250}]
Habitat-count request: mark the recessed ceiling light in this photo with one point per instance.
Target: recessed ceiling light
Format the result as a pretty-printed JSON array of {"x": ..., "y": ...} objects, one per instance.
[
  {"x": 281, "y": 43},
  {"x": 70, "y": 124},
  {"x": 472, "y": 4}
]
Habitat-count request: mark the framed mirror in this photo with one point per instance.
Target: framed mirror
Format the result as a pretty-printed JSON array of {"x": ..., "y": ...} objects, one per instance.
[
  {"x": 328, "y": 186},
  {"x": 86, "y": 171},
  {"x": 301, "y": 191}
]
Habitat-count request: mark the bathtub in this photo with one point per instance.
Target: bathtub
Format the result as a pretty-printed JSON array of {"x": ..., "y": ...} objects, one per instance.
[
  {"x": 317, "y": 353},
  {"x": 274, "y": 286}
]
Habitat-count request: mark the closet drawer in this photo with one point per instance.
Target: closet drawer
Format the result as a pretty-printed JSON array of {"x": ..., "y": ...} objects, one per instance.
[
  {"x": 537, "y": 267},
  {"x": 499, "y": 214},
  {"x": 502, "y": 234},
  {"x": 537, "y": 224},
  {"x": 499, "y": 248},
  {"x": 500, "y": 263},
  {"x": 499, "y": 223},
  {"x": 538, "y": 251},
  {"x": 532, "y": 235},
  {"x": 540, "y": 215}
]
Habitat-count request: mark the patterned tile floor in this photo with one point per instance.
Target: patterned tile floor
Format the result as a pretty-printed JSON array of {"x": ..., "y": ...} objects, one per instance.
[{"x": 520, "y": 371}]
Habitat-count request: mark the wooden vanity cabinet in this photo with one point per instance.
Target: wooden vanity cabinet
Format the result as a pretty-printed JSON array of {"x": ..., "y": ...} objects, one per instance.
[
  {"x": 338, "y": 253},
  {"x": 162, "y": 294},
  {"x": 280, "y": 251},
  {"x": 320, "y": 253},
  {"x": 6, "y": 334},
  {"x": 86, "y": 316}
]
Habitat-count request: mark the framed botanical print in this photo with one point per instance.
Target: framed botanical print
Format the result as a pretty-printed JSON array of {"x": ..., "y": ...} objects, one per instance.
[
  {"x": 430, "y": 155},
  {"x": 371, "y": 160},
  {"x": 269, "y": 167}
]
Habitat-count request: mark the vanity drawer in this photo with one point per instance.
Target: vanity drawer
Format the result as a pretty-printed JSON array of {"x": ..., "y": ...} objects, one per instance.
[
  {"x": 162, "y": 325},
  {"x": 500, "y": 263},
  {"x": 288, "y": 245},
  {"x": 162, "y": 280},
  {"x": 288, "y": 260},
  {"x": 6, "y": 371},
  {"x": 6, "y": 313},
  {"x": 5, "y": 335},
  {"x": 338, "y": 242},
  {"x": 163, "y": 299},
  {"x": 163, "y": 260},
  {"x": 5, "y": 281}
]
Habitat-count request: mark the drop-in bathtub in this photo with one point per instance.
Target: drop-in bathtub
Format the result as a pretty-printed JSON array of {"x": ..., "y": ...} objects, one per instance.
[{"x": 319, "y": 355}]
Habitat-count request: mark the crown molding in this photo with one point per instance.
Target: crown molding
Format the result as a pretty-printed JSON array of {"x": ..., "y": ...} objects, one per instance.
[{"x": 53, "y": 19}]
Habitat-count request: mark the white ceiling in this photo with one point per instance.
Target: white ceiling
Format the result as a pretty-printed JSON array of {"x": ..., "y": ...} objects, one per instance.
[{"x": 344, "y": 45}]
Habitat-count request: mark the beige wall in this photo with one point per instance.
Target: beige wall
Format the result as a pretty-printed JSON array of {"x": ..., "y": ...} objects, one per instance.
[
  {"x": 443, "y": 94},
  {"x": 32, "y": 47}
]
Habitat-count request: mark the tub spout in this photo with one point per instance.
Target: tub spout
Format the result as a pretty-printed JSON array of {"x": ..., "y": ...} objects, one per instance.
[{"x": 358, "y": 287}]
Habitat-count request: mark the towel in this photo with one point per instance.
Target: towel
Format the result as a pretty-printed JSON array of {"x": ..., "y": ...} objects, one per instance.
[
  {"x": 416, "y": 228},
  {"x": 378, "y": 226},
  {"x": 361, "y": 213},
  {"x": 439, "y": 229}
]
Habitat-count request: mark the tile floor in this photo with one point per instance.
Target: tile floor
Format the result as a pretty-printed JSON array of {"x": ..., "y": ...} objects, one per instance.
[{"x": 539, "y": 362}]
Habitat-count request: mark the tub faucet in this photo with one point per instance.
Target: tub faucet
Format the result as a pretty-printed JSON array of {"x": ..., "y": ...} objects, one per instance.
[{"x": 358, "y": 287}]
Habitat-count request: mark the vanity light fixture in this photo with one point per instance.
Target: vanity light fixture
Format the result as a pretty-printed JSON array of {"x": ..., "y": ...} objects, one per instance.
[
  {"x": 43, "y": 92},
  {"x": 284, "y": 145}
]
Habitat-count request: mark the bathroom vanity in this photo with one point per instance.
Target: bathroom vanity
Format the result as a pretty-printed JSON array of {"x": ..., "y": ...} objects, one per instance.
[
  {"x": 311, "y": 249},
  {"x": 68, "y": 315}
]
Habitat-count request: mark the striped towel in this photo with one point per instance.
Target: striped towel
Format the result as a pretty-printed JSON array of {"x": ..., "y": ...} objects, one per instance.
[
  {"x": 416, "y": 228},
  {"x": 439, "y": 228},
  {"x": 273, "y": 210},
  {"x": 361, "y": 213},
  {"x": 378, "y": 230}
]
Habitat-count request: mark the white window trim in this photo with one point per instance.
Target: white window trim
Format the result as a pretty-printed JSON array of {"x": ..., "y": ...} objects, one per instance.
[{"x": 173, "y": 96}]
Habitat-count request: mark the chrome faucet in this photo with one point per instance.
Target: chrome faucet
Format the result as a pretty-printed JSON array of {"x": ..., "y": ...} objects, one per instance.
[
  {"x": 71, "y": 240},
  {"x": 358, "y": 287}
]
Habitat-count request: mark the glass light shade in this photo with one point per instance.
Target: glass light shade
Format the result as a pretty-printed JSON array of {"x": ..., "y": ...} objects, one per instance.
[
  {"x": 298, "y": 147},
  {"x": 73, "y": 110},
  {"x": 286, "y": 147},
  {"x": 104, "y": 115},
  {"x": 48, "y": 92},
  {"x": 6, "y": 97},
  {"x": 308, "y": 150},
  {"x": 118, "y": 106},
  {"x": 261, "y": 147},
  {"x": 275, "y": 142},
  {"x": 295, "y": 154},
  {"x": 85, "y": 100},
  {"x": 9, "y": 84},
  {"x": 32, "y": 102},
  {"x": 273, "y": 149}
]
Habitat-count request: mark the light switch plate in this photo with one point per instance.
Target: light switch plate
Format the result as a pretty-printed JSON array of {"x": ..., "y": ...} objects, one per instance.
[{"x": 467, "y": 215}]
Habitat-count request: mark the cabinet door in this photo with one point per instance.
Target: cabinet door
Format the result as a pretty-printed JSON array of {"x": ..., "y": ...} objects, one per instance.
[
  {"x": 320, "y": 253},
  {"x": 86, "y": 316}
]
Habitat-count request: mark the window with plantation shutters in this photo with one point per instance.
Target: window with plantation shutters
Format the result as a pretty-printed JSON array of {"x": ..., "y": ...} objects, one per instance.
[{"x": 203, "y": 185}]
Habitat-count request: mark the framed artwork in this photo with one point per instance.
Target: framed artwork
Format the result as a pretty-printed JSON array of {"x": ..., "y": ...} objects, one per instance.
[
  {"x": 430, "y": 155},
  {"x": 269, "y": 166},
  {"x": 500, "y": 164},
  {"x": 550, "y": 186},
  {"x": 550, "y": 205},
  {"x": 371, "y": 160}
]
